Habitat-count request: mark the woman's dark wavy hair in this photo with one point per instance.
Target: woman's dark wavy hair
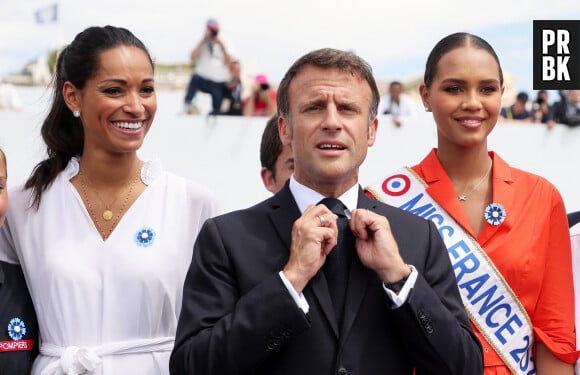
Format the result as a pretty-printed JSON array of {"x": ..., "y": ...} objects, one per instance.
[{"x": 63, "y": 133}]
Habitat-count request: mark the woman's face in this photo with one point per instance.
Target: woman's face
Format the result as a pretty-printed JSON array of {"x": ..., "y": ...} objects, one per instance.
[
  {"x": 118, "y": 103},
  {"x": 464, "y": 96}
]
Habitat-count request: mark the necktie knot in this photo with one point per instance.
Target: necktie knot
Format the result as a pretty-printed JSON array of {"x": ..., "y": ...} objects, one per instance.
[{"x": 334, "y": 205}]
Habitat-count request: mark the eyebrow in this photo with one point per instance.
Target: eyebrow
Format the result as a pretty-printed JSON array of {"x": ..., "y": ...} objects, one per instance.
[
  {"x": 485, "y": 81},
  {"x": 123, "y": 81},
  {"x": 315, "y": 101}
]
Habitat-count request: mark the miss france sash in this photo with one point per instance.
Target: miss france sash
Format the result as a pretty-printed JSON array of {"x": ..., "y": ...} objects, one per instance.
[{"x": 490, "y": 303}]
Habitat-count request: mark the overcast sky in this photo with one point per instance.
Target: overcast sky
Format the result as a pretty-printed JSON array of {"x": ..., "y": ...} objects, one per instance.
[{"x": 267, "y": 36}]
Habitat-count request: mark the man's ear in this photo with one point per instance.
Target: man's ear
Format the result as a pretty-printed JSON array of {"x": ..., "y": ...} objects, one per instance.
[
  {"x": 285, "y": 131},
  {"x": 372, "y": 132},
  {"x": 71, "y": 96},
  {"x": 268, "y": 179}
]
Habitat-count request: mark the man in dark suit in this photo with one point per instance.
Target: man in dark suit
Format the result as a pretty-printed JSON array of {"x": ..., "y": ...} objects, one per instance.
[
  {"x": 573, "y": 218},
  {"x": 262, "y": 295},
  {"x": 276, "y": 159}
]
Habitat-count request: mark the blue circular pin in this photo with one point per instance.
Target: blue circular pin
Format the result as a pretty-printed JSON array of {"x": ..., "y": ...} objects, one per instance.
[
  {"x": 16, "y": 329},
  {"x": 494, "y": 214},
  {"x": 145, "y": 237}
]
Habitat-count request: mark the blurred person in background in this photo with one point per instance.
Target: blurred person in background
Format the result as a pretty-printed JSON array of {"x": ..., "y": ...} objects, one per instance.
[
  {"x": 234, "y": 91},
  {"x": 212, "y": 69},
  {"x": 397, "y": 104},
  {"x": 567, "y": 110},
  {"x": 541, "y": 107},
  {"x": 262, "y": 100},
  {"x": 9, "y": 97},
  {"x": 517, "y": 112}
]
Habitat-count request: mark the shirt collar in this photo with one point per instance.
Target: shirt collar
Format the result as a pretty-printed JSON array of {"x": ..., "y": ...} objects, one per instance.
[{"x": 305, "y": 196}]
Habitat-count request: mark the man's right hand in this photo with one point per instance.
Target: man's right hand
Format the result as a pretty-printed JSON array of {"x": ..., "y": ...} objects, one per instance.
[{"x": 314, "y": 235}]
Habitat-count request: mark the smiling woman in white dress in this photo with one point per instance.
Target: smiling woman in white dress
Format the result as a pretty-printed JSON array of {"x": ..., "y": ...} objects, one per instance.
[{"x": 104, "y": 238}]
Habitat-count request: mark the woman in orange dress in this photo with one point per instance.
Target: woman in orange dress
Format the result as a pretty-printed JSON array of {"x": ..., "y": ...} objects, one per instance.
[
  {"x": 463, "y": 86},
  {"x": 516, "y": 217}
]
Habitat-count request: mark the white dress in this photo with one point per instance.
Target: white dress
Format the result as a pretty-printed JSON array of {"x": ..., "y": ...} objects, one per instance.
[{"x": 112, "y": 304}]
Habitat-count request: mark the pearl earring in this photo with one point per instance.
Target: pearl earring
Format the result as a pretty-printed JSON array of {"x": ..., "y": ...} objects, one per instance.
[
  {"x": 427, "y": 109},
  {"x": 77, "y": 114}
]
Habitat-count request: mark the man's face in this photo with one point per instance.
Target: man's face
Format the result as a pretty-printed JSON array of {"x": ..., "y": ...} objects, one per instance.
[
  {"x": 574, "y": 97},
  {"x": 395, "y": 91},
  {"x": 283, "y": 169},
  {"x": 329, "y": 129}
]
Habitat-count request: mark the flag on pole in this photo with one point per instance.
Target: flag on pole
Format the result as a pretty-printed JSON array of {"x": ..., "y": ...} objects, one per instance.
[{"x": 46, "y": 14}]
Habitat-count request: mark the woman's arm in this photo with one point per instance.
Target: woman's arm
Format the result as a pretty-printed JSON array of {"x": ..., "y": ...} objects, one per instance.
[{"x": 548, "y": 364}]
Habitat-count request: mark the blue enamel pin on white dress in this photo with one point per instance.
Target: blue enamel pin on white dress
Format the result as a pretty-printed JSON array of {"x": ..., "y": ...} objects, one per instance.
[{"x": 145, "y": 237}]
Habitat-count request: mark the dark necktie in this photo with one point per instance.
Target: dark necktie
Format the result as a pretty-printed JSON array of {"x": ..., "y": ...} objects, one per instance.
[{"x": 337, "y": 264}]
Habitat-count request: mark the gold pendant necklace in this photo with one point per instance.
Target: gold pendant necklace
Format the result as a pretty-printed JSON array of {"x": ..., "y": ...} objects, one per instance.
[
  {"x": 463, "y": 197},
  {"x": 107, "y": 213}
]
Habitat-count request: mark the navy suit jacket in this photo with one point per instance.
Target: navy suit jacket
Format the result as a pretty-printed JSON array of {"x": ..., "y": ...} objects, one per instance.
[
  {"x": 573, "y": 218},
  {"x": 238, "y": 317}
]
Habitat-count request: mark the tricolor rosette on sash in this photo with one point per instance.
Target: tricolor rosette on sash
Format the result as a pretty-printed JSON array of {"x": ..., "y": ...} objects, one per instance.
[{"x": 490, "y": 303}]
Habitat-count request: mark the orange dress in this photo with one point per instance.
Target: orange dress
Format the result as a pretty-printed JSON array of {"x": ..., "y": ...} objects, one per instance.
[{"x": 531, "y": 249}]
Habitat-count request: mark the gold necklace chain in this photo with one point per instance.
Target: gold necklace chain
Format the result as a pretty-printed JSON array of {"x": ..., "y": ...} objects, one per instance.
[
  {"x": 107, "y": 212},
  {"x": 463, "y": 197}
]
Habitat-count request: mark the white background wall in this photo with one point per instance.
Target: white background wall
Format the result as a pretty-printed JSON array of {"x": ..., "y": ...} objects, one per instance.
[{"x": 223, "y": 153}]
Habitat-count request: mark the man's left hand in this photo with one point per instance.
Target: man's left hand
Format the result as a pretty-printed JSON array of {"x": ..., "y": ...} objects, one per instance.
[{"x": 376, "y": 246}]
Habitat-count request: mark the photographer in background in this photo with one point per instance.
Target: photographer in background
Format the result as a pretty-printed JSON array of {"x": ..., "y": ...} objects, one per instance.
[
  {"x": 397, "y": 104},
  {"x": 234, "y": 90},
  {"x": 567, "y": 110},
  {"x": 541, "y": 107},
  {"x": 212, "y": 69},
  {"x": 262, "y": 100},
  {"x": 517, "y": 112}
]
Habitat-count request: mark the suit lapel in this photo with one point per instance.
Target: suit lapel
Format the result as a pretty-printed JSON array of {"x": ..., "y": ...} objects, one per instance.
[{"x": 284, "y": 212}]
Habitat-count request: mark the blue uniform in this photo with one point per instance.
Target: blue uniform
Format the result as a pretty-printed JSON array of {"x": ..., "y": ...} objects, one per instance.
[{"x": 18, "y": 326}]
